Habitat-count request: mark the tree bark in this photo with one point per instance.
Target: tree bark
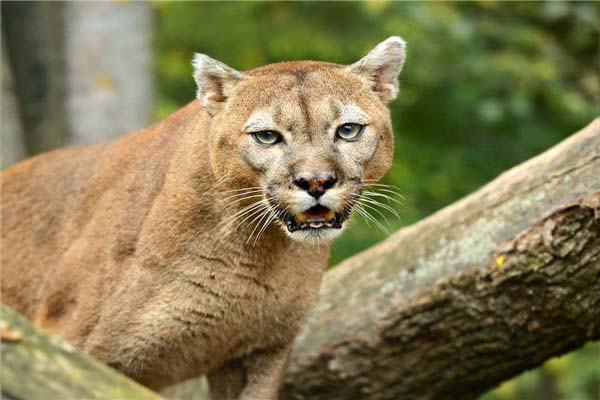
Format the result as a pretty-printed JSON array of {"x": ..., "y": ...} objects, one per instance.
[
  {"x": 38, "y": 367},
  {"x": 12, "y": 147},
  {"x": 82, "y": 73},
  {"x": 109, "y": 79},
  {"x": 484, "y": 289},
  {"x": 34, "y": 41}
]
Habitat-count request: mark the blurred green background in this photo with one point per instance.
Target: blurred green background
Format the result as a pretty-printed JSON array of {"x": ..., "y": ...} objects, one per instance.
[{"x": 486, "y": 85}]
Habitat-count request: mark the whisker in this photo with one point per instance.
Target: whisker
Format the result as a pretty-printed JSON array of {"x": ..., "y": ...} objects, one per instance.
[
  {"x": 259, "y": 218},
  {"x": 241, "y": 212},
  {"x": 377, "y": 223},
  {"x": 389, "y": 188},
  {"x": 265, "y": 225},
  {"x": 252, "y": 191},
  {"x": 232, "y": 202},
  {"x": 361, "y": 207},
  {"x": 368, "y": 216},
  {"x": 255, "y": 213},
  {"x": 376, "y": 210},
  {"x": 221, "y": 181},
  {"x": 385, "y": 196},
  {"x": 377, "y": 183},
  {"x": 360, "y": 211},
  {"x": 383, "y": 187},
  {"x": 382, "y": 205},
  {"x": 240, "y": 190},
  {"x": 244, "y": 210},
  {"x": 384, "y": 191}
]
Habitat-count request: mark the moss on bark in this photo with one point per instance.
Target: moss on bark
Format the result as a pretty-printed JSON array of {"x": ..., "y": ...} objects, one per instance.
[{"x": 40, "y": 367}]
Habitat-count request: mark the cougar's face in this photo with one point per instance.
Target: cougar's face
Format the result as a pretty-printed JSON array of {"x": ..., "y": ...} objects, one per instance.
[
  {"x": 307, "y": 144},
  {"x": 298, "y": 142}
]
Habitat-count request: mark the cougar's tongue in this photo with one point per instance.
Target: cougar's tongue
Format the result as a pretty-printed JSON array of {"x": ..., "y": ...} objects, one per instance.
[{"x": 315, "y": 214}]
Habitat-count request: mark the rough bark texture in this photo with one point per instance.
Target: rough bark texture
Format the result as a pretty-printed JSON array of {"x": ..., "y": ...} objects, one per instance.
[
  {"x": 478, "y": 292},
  {"x": 38, "y": 367}
]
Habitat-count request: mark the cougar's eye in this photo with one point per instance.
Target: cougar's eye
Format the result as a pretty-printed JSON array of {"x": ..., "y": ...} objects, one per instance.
[
  {"x": 349, "y": 131},
  {"x": 266, "y": 137}
]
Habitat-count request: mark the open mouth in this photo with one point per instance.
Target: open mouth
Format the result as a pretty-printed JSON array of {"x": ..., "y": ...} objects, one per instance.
[{"x": 317, "y": 217}]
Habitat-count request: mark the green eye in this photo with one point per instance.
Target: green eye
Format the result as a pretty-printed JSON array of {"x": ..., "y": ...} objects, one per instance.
[
  {"x": 266, "y": 137},
  {"x": 349, "y": 131}
]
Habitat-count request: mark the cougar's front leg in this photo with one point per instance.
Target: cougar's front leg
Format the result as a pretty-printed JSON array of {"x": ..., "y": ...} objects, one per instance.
[{"x": 255, "y": 377}]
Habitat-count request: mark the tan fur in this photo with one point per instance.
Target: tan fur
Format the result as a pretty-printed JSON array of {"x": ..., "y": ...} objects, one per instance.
[{"x": 120, "y": 247}]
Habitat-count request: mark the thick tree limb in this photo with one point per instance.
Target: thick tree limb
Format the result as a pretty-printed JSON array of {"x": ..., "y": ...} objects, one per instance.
[
  {"x": 478, "y": 292},
  {"x": 38, "y": 367}
]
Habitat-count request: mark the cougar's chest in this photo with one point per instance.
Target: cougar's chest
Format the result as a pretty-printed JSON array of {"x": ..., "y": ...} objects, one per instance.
[
  {"x": 256, "y": 307},
  {"x": 226, "y": 311}
]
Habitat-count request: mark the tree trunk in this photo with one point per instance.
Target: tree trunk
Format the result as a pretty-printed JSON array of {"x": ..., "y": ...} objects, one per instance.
[
  {"x": 475, "y": 294},
  {"x": 38, "y": 367},
  {"x": 34, "y": 41},
  {"x": 82, "y": 72},
  {"x": 11, "y": 132},
  {"x": 108, "y": 48}
]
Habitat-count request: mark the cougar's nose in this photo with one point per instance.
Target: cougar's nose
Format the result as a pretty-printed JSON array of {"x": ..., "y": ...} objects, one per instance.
[{"x": 316, "y": 185}]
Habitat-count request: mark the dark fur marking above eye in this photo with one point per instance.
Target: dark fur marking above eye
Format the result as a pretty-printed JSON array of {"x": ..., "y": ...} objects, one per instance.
[
  {"x": 336, "y": 110},
  {"x": 277, "y": 116},
  {"x": 305, "y": 112},
  {"x": 301, "y": 77}
]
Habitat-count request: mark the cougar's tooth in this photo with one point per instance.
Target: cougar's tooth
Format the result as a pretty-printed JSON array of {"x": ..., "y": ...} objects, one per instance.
[
  {"x": 301, "y": 218},
  {"x": 329, "y": 215}
]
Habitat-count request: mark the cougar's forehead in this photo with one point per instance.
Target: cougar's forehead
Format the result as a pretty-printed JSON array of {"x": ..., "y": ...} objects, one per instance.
[
  {"x": 302, "y": 97},
  {"x": 305, "y": 102}
]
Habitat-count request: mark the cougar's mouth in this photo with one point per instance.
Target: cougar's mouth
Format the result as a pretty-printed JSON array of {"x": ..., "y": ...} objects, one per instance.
[{"x": 317, "y": 217}]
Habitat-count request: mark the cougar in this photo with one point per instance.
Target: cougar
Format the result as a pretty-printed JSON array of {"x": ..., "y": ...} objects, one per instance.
[{"x": 197, "y": 246}]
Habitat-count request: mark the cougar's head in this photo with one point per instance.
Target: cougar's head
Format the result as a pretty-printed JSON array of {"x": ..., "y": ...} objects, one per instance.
[{"x": 296, "y": 142}]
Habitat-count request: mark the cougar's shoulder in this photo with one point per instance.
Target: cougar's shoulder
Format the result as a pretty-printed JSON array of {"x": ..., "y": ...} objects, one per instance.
[{"x": 49, "y": 200}]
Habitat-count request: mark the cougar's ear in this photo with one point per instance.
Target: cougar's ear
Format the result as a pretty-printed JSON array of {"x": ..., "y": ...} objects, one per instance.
[
  {"x": 215, "y": 81},
  {"x": 382, "y": 66}
]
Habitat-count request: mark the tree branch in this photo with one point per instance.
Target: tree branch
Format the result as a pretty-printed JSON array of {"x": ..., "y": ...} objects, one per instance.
[
  {"x": 38, "y": 367},
  {"x": 475, "y": 294}
]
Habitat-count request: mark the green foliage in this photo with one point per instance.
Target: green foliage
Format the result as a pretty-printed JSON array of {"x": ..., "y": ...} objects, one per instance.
[
  {"x": 575, "y": 376},
  {"x": 486, "y": 86}
]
